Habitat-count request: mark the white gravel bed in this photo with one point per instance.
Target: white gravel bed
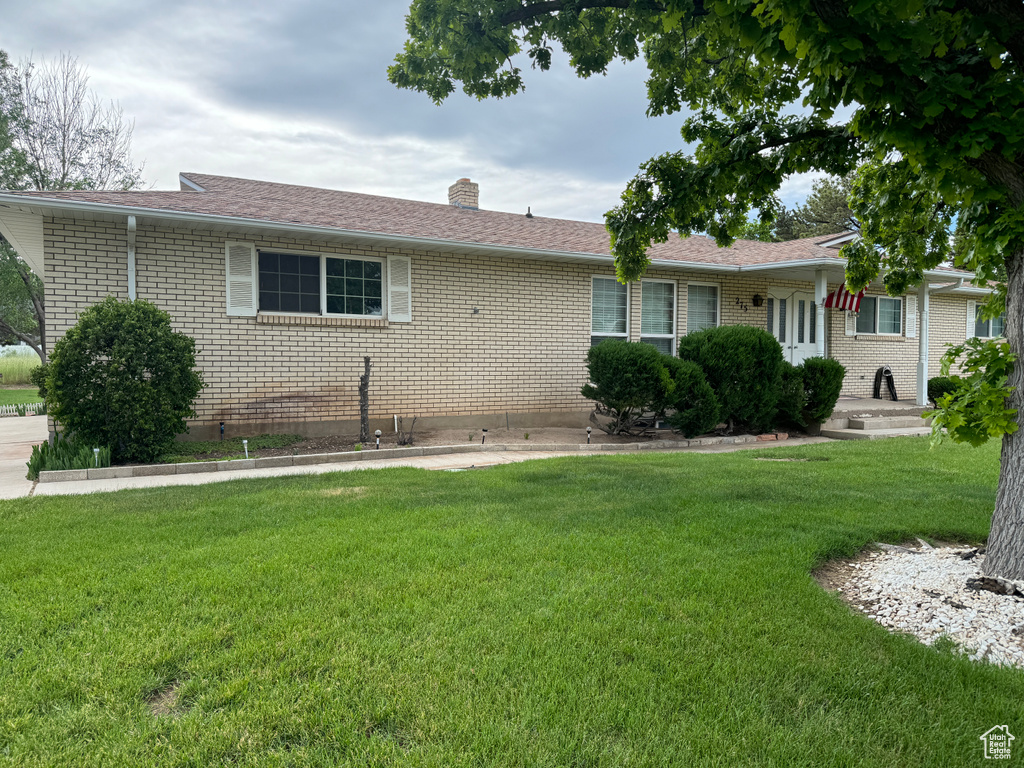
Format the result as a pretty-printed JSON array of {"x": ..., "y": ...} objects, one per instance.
[{"x": 924, "y": 592}]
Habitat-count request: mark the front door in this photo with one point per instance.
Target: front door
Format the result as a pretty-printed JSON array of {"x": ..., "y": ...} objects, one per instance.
[{"x": 791, "y": 321}]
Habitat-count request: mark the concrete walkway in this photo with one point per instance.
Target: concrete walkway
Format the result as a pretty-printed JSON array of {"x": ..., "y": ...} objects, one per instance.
[
  {"x": 451, "y": 462},
  {"x": 17, "y": 436}
]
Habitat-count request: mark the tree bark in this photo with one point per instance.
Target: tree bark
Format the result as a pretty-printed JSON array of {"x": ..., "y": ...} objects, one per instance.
[{"x": 1004, "y": 556}]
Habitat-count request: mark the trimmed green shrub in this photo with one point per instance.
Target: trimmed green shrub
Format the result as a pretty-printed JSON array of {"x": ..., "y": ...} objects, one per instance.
[
  {"x": 65, "y": 454},
  {"x": 694, "y": 407},
  {"x": 743, "y": 365},
  {"x": 121, "y": 376},
  {"x": 38, "y": 377},
  {"x": 627, "y": 380},
  {"x": 791, "y": 395},
  {"x": 939, "y": 386},
  {"x": 823, "y": 381}
]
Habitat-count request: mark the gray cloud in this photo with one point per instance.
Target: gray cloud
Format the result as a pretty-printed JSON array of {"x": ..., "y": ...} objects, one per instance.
[{"x": 298, "y": 92}]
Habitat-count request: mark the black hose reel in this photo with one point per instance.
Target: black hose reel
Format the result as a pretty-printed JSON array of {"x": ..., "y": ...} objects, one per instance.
[{"x": 885, "y": 372}]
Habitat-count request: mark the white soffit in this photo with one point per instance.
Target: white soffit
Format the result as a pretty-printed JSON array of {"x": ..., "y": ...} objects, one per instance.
[{"x": 24, "y": 231}]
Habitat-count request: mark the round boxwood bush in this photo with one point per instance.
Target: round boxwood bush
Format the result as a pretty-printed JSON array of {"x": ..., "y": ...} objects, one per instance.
[
  {"x": 692, "y": 405},
  {"x": 940, "y": 386},
  {"x": 627, "y": 380},
  {"x": 743, "y": 365},
  {"x": 823, "y": 381},
  {"x": 122, "y": 377}
]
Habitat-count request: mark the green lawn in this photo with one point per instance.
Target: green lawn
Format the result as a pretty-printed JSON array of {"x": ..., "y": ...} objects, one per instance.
[
  {"x": 16, "y": 396},
  {"x": 589, "y": 611}
]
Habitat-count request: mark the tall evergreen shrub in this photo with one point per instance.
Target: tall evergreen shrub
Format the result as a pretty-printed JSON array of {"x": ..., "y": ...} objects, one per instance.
[
  {"x": 692, "y": 406},
  {"x": 792, "y": 397},
  {"x": 743, "y": 365},
  {"x": 627, "y": 380},
  {"x": 823, "y": 381}
]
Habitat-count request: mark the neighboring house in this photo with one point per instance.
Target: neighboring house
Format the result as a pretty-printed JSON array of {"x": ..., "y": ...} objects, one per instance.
[{"x": 471, "y": 317}]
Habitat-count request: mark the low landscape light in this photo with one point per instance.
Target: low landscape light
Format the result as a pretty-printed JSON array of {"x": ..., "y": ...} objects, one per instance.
[
  {"x": 377, "y": 435},
  {"x": 484, "y": 438},
  {"x": 588, "y": 434},
  {"x": 245, "y": 444},
  {"x": 96, "y": 455}
]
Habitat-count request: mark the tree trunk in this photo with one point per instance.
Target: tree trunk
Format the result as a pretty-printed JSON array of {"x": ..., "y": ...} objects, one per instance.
[{"x": 1005, "y": 554}]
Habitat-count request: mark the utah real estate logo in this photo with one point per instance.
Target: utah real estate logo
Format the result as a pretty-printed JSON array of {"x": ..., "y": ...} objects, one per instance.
[{"x": 997, "y": 742}]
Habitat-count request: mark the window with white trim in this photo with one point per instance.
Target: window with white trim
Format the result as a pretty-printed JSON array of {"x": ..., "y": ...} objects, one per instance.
[
  {"x": 658, "y": 314},
  {"x": 988, "y": 329},
  {"x": 702, "y": 307},
  {"x": 320, "y": 284},
  {"x": 880, "y": 315},
  {"x": 609, "y": 310}
]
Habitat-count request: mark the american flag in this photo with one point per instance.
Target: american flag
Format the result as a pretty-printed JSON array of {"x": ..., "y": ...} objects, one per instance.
[{"x": 841, "y": 298}]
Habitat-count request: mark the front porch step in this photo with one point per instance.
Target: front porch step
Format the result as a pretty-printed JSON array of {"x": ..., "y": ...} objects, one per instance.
[
  {"x": 875, "y": 434},
  {"x": 888, "y": 422}
]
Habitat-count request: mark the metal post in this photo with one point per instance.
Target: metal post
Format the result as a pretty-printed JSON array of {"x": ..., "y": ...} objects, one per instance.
[
  {"x": 820, "y": 294},
  {"x": 922, "y": 344}
]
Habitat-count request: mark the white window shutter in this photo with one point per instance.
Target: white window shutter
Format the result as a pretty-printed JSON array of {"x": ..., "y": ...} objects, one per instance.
[
  {"x": 851, "y": 323},
  {"x": 910, "y": 302},
  {"x": 399, "y": 289},
  {"x": 241, "y": 278},
  {"x": 971, "y": 318}
]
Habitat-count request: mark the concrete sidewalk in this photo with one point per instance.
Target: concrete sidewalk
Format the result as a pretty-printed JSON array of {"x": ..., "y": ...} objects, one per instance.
[
  {"x": 17, "y": 436},
  {"x": 443, "y": 462}
]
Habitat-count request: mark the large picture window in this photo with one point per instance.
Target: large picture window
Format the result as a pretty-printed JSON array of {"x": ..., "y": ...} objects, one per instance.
[
  {"x": 300, "y": 283},
  {"x": 609, "y": 310},
  {"x": 658, "y": 314},
  {"x": 701, "y": 307},
  {"x": 881, "y": 315}
]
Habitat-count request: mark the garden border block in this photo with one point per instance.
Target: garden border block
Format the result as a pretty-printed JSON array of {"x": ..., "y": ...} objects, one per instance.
[{"x": 308, "y": 459}]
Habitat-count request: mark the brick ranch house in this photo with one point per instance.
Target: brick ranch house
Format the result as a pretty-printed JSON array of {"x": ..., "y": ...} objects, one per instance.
[{"x": 473, "y": 318}]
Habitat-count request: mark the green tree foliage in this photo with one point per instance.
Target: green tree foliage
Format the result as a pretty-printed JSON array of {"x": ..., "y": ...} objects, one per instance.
[
  {"x": 13, "y": 163},
  {"x": 21, "y": 301},
  {"x": 826, "y": 211},
  {"x": 743, "y": 365},
  {"x": 122, "y": 377},
  {"x": 972, "y": 407},
  {"x": 54, "y": 134},
  {"x": 924, "y": 97}
]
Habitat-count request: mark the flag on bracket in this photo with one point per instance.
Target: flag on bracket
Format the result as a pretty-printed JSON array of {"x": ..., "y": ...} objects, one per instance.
[{"x": 841, "y": 298}]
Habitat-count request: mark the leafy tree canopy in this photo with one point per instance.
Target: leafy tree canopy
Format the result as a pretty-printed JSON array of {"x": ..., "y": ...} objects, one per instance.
[{"x": 932, "y": 87}]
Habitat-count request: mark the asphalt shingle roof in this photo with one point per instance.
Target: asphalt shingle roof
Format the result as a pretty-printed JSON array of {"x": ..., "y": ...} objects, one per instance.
[{"x": 350, "y": 211}]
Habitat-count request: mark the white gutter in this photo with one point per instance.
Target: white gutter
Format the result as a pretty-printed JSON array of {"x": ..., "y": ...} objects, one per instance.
[
  {"x": 132, "y": 289},
  {"x": 420, "y": 242},
  {"x": 947, "y": 288}
]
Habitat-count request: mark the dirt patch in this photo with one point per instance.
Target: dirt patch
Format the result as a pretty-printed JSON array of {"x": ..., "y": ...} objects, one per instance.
[
  {"x": 431, "y": 437},
  {"x": 162, "y": 703}
]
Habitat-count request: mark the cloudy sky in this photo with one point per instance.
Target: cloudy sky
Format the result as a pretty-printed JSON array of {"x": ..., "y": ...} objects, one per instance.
[{"x": 297, "y": 92}]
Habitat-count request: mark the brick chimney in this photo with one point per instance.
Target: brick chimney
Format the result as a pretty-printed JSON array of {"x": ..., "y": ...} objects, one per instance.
[{"x": 465, "y": 194}]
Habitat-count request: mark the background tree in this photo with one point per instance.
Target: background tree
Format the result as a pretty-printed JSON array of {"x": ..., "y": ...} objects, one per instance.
[
  {"x": 933, "y": 90},
  {"x": 54, "y": 134},
  {"x": 826, "y": 211}
]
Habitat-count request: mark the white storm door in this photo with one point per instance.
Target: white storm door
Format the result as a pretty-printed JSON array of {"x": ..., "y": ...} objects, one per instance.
[
  {"x": 791, "y": 322},
  {"x": 803, "y": 337}
]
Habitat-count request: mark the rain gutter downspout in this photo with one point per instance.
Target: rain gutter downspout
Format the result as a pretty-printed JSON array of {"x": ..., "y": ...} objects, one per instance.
[{"x": 132, "y": 292}]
